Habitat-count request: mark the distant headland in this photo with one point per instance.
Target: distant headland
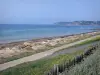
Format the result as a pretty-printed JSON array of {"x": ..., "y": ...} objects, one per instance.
[{"x": 79, "y": 23}]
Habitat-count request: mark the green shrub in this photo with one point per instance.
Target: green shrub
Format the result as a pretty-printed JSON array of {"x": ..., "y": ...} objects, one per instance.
[{"x": 90, "y": 66}]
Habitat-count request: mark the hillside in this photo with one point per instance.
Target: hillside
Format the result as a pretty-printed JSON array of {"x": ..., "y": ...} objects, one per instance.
[{"x": 79, "y": 23}]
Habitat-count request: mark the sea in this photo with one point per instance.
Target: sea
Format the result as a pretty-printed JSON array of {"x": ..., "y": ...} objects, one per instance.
[{"x": 22, "y": 32}]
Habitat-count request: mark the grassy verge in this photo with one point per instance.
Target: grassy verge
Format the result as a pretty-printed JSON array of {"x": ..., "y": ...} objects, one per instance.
[
  {"x": 39, "y": 67},
  {"x": 3, "y": 60},
  {"x": 85, "y": 42},
  {"x": 89, "y": 41}
]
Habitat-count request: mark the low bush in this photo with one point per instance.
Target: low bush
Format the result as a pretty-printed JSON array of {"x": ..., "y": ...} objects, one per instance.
[{"x": 90, "y": 66}]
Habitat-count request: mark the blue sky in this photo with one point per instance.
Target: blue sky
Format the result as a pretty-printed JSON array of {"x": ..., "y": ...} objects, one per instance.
[{"x": 48, "y": 11}]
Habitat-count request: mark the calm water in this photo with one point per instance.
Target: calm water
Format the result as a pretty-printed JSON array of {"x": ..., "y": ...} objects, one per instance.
[{"x": 9, "y": 33}]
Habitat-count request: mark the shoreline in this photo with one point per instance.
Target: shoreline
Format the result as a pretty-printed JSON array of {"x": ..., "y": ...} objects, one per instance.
[
  {"x": 16, "y": 50},
  {"x": 43, "y": 38},
  {"x": 41, "y": 55}
]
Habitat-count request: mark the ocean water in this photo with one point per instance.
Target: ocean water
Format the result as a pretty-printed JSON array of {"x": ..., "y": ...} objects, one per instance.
[{"x": 19, "y": 32}]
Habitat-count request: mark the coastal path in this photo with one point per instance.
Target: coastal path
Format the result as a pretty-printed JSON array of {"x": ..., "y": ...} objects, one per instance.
[{"x": 40, "y": 55}]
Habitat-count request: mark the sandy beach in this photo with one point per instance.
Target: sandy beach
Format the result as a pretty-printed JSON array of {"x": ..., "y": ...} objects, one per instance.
[
  {"x": 49, "y": 53},
  {"x": 21, "y": 49}
]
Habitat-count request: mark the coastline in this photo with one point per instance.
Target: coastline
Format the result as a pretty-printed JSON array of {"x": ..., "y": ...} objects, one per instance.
[
  {"x": 11, "y": 44},
  {"x": 41, "y": 39},
  {"x": 16, "y": 50},
  {"x": 36, "y": 57}
]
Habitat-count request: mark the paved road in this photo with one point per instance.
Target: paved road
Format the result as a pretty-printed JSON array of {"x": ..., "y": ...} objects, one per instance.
[{"x": 39, "y": 55}]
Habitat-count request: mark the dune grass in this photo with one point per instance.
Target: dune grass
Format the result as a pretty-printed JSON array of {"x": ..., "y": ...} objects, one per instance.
[
  {"x": 89, "y": 41},
  {"x": 39, "y": 67},
  {"x": 42, "y": 66},
  {"x": 21, "y": 55},
  {"x": 90, "y": 66},
  {"x": 85, "y": 42}
]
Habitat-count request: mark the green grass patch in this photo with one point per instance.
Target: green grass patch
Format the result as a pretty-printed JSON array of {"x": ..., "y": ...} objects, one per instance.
[
  {"x": 83, "y": 43},
  {"x": 39, "y": 67},
  {"x": 3, "y": 60},
  {"x": 89, "y": 41}
]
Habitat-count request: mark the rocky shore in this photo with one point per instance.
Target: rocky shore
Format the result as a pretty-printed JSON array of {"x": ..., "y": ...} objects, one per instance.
[{"x": 38, "y": 45}]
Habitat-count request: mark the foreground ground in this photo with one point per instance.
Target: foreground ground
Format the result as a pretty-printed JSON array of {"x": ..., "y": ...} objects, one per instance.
[
  {"x": 41, "y": 66},
  {"x": 90, "y": 66}
]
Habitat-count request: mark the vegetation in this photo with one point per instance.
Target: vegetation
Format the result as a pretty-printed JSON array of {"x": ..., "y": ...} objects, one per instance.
[
  {"x": 89, "y": 41},
  {"x": 86, "y": 42},
  {"x": 24, "y": 54},
  {"x": 67, "y": 65},
  {"x": 3, "y": 60},
  {"x": 90, "y": 66},
  {"x": 30, "y": 53},
  {"x": 39, "y": 67},
  {"x": 42, "y": 66}
]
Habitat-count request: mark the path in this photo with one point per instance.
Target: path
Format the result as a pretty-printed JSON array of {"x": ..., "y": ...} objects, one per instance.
[{"x": 39, "y": 55}]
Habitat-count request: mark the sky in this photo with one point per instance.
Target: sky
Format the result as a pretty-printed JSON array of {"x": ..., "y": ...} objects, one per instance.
[{"x": 48, "y": 11}]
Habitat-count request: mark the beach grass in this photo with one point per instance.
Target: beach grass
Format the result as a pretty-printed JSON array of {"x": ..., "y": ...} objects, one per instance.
[
  {"x": 42, "y": 66},
  {"x": 89, "y": 41},
  {"x": 3, "y": 60},
  {"x": 85, "y": 42},
  {"x": 39, "y": 67},
  {"x": 90, "y": 66},
  {"x": 21, "y": 55}
]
